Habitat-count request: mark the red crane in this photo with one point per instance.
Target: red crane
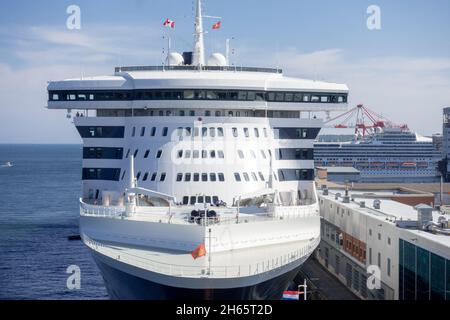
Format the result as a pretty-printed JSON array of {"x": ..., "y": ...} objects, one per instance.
[{"x": 366, "y": 121}]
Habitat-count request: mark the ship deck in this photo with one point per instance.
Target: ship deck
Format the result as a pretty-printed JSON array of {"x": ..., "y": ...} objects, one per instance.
[{"x": 228, "y": 264}]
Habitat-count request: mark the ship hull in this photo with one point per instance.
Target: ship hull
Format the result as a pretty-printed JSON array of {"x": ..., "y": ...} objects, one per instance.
[{"x": 125, "y": 286}]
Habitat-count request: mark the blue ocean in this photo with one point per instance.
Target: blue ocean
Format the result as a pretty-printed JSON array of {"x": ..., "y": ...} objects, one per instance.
[{"x": 38, "y": 211}]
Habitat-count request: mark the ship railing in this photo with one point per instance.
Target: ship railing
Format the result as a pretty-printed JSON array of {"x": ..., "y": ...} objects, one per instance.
[
  {"x": 182, "y": 215},
  {"x": 204, "y": 271}
]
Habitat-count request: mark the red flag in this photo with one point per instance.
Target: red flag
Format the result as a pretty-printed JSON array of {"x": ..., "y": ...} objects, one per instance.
[
  {"x": 217, "y": 25},
  {"x": 200, "y": 251},
  {"x": 169, "y": 23}
]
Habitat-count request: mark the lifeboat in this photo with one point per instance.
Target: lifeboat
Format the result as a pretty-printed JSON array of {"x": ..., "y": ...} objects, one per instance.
[
  {"x": 409, "y": 164},
  {"x": 422, "y": 164},
  {"x": 393, "y": 164},
  {"x": 377, "y": 164},
  {"x": 362, "y": 164}
]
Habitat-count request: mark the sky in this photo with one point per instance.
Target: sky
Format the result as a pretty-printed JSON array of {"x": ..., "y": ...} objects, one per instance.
[{"x": 401, "y": 71}]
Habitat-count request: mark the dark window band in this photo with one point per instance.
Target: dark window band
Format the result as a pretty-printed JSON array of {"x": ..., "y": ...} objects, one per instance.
[
  {"x": 178, "y": 94},
  {"x": 295, "y": 174},
  {"x": 294, "y": 154},
  {"x": 101, "y": 174},
  {"x": 102, "y": 153},
  {"x": 297, "y": 133},
  {"x": 101, "y": 132}
]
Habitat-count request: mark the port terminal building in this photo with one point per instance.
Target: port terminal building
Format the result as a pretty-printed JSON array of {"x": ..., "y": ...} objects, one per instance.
[{"x": 393, "y": 231}]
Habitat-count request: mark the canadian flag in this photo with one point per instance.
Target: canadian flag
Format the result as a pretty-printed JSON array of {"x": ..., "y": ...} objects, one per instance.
[
  {"x": 169, "y": 23},
  {"x": 217, "y": 25},
  {"x": 200, "y": 251}
]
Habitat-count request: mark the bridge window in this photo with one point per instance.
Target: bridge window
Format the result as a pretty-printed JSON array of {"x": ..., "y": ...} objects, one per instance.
[
  {"x": 101, "y": 132},
  {"x": 101, "y": 174},
  {"x": 176, "y": 94}
]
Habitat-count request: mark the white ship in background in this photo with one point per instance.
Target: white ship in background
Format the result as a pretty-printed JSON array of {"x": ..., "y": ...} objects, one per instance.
[
  {"x": 381, "y": 151},
  {"x": 198, "y": 178}
]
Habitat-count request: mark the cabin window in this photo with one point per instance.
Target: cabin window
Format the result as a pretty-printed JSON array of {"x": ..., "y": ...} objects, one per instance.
[
  {"x": 196, "y": 177},
  {"x": 142, "y": 131},
  {"x": 179, "y": 177},
  {"x": 147, "y": 153},
  {"x": 246, "y": 132},
  {"x": 256, "y": 133},
  {"x": 204, "y": 177},
  {"x": 221, "y": 177},
  {"x": 165, "y": 131},
  {"x": 235, "y": 132},
  {"x": 163, "y": 177},
  {"x": 187, "y": 177},
  {"x": 261, "y": 176},
  {"x": 212, "y": 177},
  {"x": 159, "y": 154},
  {"x": 237, "y": 176}
]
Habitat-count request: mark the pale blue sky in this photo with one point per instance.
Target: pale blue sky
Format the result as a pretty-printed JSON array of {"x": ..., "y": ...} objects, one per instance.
[{"x": 402, "y": 70}]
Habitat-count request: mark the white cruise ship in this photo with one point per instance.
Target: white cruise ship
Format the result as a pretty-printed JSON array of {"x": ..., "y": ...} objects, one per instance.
[
  {"x": 198, "y": 177},
  {"x": 389, "y": 155}
]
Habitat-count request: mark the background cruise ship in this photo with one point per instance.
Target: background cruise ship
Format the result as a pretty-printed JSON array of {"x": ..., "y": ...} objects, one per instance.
[
  {"x": 198, "y": 178},
  {"x": 382, "y": 151}
]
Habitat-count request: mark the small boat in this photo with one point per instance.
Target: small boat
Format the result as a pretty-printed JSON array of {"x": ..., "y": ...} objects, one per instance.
[{"x": 7, "y": 164}]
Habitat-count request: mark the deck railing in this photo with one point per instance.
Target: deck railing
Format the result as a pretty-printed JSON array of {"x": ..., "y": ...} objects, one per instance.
[
  {"x": 204, "y": 271},
  {"x": 176, "y": 215}
]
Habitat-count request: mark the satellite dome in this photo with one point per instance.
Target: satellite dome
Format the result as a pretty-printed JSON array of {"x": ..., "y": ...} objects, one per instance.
[
  {"x": 217, "y": 60},
  {"x": 175, "y": 59}
]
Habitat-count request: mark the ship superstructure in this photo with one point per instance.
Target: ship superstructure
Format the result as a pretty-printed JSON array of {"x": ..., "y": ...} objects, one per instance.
[{"x": 198, "y": 178}]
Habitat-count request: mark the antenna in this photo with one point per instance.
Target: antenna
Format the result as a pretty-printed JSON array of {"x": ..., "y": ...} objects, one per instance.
[{"x": 199, "y": 45}]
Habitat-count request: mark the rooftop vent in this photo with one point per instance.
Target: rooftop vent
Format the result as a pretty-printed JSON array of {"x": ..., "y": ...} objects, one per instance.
[
  {"x": 377, "y": 204},
  {"x": 346, "y": 199},
  {"x": 362, "y": 204},
  {"x": 424, "y": 215},
  {"x": 325, "y": 192},
  {"x": 337, "y": 196}
]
